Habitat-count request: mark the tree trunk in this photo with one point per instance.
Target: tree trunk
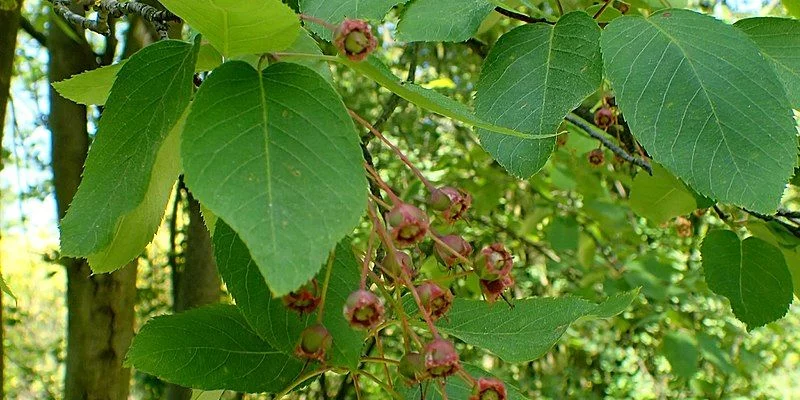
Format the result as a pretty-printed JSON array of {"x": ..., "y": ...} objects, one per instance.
[
  {"x": 9, "y": 24},
  {"x": 198, "y": 283},
  {"x": 100, "y": 320}
]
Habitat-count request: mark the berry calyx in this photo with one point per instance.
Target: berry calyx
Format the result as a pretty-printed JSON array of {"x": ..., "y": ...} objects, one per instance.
[
  {"x": 354, "y": 39},
  {"x": 305, "y": 299},
  {"x": 412, "y": 367},
  {"x": 493, "y": 289},
  {"x": 460, "y": 202},
  {"x": 493, "y": 262},
  {"x": 441, "y": 358},
  {"x": 409, "y": 224},
  {"x": 363, "y": 310},
  {"x": 435, "y": 300},
  {"x": 456, "y": 243},
  {"x": 395, "y": 266},
  {"x": 596, "y": 157},
  {"x": 604, "y": 118},
  {"x": 683, "y": 226},
  {"x": 315, "y": 341},
  {"x": 489, "y": 389}
]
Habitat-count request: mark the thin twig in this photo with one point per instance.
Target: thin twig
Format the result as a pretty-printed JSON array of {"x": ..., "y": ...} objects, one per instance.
[
  {"x": 28, "y": 27},
  {"x": 520, "y": 16},
  {"x": 113, "y": 9},
  {"x": 595, "y": 133}
]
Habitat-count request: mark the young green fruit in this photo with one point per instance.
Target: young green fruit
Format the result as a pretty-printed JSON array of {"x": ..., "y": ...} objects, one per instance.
[
  {"x": 314, "y": 344},
  {"x": 354, "y": 39},
  {"x": 412, "y": 367},
  {"x": 493, "y": 262},
  {"x": 455, "y": 242},
  {"x": 409, "y": 225},
  {"x": 441, "y": 358},
  {"x": 489, "y": 389},
  {"x": 363, "y": 310},
  {"x": 435, "y": 300}
]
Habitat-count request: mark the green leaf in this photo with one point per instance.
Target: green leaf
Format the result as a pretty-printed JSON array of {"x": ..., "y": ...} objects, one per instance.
[
  {"x": 335, "y": 11},
  {"x": 711, "y": 351},
  {"x": 280, "y": 162},
  {"x": 704, "y": 103},
  {"x": 442, "y": 20},
  {"x": 238, "y": 27},
  {"x": 776, "y": 234},
  {"x": 752, "y": 274},
  {"x": 456, "y": 387},
  {"x": 779, "y": 42},
  {"x": 660, "y": 197},
  {"x": 428, "y": 99},
  {"x": 532, "y": 77},
  {"x": 528, "y": 330},
  {"x": 792, "y": 7},
  {"x": 276, "y": 324},
  {"x": 133, "y": 162},
  {"x": 210, "y": 348},
  {"x": 208, "y": 58},
  {"x": 5, "y": 289},
  {"x": 562, "y": 233},
  {"x": 682, "y": 353},
  {"x": 90, "y": 87}
]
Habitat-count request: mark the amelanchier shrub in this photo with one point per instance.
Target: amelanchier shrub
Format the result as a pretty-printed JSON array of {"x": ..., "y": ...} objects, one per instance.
[{"x": 248, "y": 113}]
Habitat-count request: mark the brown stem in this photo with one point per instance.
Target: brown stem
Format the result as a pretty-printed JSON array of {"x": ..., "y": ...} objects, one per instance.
[{"x": 394, "y": 148}]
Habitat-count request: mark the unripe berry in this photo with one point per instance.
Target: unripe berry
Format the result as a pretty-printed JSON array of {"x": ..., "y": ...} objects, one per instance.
[
  {"x": 393, "y": 267},
  {"x": 456, "y": 243},
  {"x": 438, "y": 200},
  {"x": 489, "y": 389},
  {"x": 435, "y": 300},
  {"x": 412, "y": 367},
  {"x": 493, "y": 262},
  {"x": 409, "y": 224},
  {"x": 354, "y": 39},
  {"x": 303, "y": 300},
  {"x": 493, "y": 289},
  {"x": 596, "y": 157},
  {"x": 315, "y": 342},
  {"x": 441, "y": 358},
  {"x": 363, "y": 310},
  {"x": 604, "y": 118},
  {"x": 460, "y": 202}
]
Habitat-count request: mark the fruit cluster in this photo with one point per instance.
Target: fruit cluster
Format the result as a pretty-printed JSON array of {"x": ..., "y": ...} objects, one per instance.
[{"x": 405, "y": 227}]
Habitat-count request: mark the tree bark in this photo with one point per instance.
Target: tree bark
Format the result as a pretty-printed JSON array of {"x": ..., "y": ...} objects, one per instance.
[
  {"x": 198, "y": 283},
  {"x": 100, "y": 307},
  {"x": 9, "y": 24}
]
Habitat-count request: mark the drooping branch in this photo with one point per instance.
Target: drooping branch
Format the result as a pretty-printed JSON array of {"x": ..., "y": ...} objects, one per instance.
[
  {"x": 594, "y": 132},
  {"x": 113, "y": 9}
]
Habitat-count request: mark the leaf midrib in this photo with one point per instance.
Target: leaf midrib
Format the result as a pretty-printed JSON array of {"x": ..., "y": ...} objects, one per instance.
[{"x": 268, "y": 188}]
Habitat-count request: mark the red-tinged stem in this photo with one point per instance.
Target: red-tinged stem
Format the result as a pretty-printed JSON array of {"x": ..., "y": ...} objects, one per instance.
[
  {"x": 319, "y": 21},
  {"x": 450, "y": 249},
  {"x": 387, "y": 242},
  {"x": 425, "y": 315},
  {"x": 394, "y": 148},
  {"x": 377, "y": 178},
  {"x": 367, "y": 257},
  {"x": 379, "y": 343},
  {"x": 442, "y": 388},
  {"x": 467, "y": 377},
  {"x": 380, "y": 201}
]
